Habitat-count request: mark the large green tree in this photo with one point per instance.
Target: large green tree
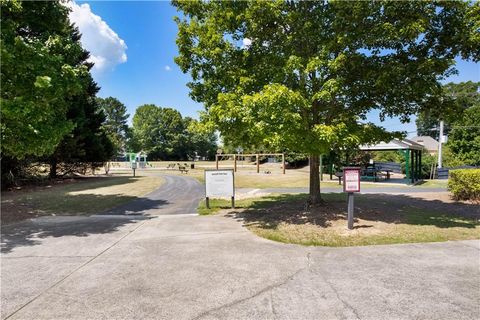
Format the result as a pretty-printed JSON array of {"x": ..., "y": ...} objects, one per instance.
[
  {"x": 37, "y": 77},
  {"x": 116, "y": 122},
  {"x": 458, "y": 97},
  {"x": 302, "y": 75},
  {"x": 165, "y": 135},
  {"x": 158, "y": 131}
]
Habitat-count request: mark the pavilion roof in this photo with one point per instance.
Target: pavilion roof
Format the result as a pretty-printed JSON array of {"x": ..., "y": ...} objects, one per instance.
[{"x": 395, "y": 144}]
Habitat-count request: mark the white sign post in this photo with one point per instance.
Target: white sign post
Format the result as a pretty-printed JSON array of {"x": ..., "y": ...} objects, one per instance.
[
  {"x": 219, "y": 183},
  {"x": 351, "y": 184},
  {"x": 134, "y": 166}
]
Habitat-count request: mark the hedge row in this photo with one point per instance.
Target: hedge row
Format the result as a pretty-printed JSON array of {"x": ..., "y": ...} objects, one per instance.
[{"x": 465, "y": 184}]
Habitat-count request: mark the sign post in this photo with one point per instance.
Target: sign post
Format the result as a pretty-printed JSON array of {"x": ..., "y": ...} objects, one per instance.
[
  {"x": 219, "y": 183},
  {"x": 351, "y": 184},
  {"x": 134, "y": 166}
]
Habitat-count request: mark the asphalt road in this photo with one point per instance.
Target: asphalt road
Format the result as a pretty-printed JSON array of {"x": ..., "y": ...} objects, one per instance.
[{"x": 169, "y": 264}]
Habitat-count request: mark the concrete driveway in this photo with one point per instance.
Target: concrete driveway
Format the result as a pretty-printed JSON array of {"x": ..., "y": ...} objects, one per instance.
[{"x": 168, "y": 263}]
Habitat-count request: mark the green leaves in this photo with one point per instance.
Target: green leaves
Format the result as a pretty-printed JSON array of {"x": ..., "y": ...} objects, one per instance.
[
  {"x": 37, "y": 77},
  {"x": 163, "y": 134},
  {"x": 464, "y": 138},
  {"x": 43, "y": 82},
  {"x": 313, "y": 69},
  {"x": 115, "y": 124}
]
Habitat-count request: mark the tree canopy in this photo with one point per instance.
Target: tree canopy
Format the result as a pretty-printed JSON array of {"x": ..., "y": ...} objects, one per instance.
[
  {"x": 459, "y": 97},
  {"x": 49, "y": 112},
  {"x": 116, "y": 122},
  {"x": 464, "y": 138},
  {"x": 39, "y": 71},
  {"x": 304, "y": 75},
  {"x": 165, "y": 135}
]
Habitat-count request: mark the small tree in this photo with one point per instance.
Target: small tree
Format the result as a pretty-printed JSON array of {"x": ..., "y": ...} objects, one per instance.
[{"x": 303, "y": 75}]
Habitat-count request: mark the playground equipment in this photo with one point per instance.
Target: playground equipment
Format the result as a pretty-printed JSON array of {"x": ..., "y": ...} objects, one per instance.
[
  {"x": 140, "y": 158},
  {"x": 256, "y": 155}
]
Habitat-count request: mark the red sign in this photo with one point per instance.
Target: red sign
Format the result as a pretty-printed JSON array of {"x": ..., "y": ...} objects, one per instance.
[{"x": 351, "y": 179}]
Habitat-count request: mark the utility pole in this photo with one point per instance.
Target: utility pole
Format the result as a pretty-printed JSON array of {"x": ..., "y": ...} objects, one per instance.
[{"x": 440, "y": 141}]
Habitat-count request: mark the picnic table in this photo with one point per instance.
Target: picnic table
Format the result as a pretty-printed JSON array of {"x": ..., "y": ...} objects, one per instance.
[
  {"x": 183, "y": 169},
  {"x": 376, "y": 173}
]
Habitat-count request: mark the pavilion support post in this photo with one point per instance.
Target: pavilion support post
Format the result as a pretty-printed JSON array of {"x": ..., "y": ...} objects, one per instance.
[
  {"x": 416, "y": 165},
  {"x": 235, "y": 163},
  {"x": 258, "y": 163},
  {"x": 420, "y": 164},
  {"x": 412, "y": 166},
  {"x": 406, "y": 154},
  {"x": 283, "y": 162}
]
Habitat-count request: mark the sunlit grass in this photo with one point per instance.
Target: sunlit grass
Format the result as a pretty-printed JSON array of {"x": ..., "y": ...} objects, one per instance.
[
  {"x": 84, "y": 196},
  {"x": 283, "y": 218}
]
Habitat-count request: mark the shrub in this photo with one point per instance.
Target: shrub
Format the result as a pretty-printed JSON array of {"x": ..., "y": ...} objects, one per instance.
[{"x": 465, "y": 184}]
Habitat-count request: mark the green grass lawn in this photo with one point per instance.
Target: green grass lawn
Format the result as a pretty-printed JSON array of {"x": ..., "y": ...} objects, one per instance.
[
  {"x": 434, "y": 184},
  {"x": 378, "y": 220},
  {"x": 77, "y": 197}
]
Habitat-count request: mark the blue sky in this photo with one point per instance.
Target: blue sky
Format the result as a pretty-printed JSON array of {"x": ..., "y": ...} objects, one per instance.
[{"x": 145, "y": 32}]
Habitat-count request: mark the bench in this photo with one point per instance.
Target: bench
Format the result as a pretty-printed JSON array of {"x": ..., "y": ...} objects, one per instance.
[
  {"x": 171, "y": 166},
  {"x": 183, "y": 169}
]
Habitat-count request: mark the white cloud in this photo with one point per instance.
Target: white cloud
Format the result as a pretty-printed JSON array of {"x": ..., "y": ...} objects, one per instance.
[
  {"x": 246, "y": 42},
  {"x": 105, "y": 46},
  {"x": 168, "y": 68}
]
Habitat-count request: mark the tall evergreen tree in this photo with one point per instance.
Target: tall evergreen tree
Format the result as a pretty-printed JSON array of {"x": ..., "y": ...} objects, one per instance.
[
  {"x": 116, "y": 122},
  {"x": 88, "y": 143}
]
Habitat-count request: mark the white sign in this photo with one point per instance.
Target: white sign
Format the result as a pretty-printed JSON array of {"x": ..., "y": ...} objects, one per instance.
[
  {"x": 351, "y": 180},
  {"x": 219, "y": 183}
]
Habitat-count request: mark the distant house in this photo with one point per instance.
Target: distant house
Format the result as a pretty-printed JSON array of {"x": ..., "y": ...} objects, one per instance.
[{"x": 428, "y": 142}]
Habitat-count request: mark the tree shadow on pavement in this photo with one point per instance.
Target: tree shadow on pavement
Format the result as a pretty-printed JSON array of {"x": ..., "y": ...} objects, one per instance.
[{"x": 29, "y": 232}]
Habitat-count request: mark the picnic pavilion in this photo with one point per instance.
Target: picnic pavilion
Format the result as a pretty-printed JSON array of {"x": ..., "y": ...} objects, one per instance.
[{"x": 411, "y": 150}]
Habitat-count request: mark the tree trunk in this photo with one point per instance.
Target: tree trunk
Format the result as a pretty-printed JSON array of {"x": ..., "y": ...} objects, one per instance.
[
  {"x": 53, "y": 168},
  {"x": 314, "y": 195}
]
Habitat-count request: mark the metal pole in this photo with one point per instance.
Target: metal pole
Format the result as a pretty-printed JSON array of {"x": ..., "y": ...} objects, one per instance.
[
  {"x": 216, "y": 161},
  {"x": 207, "y": 202},
  {"x": 440, "y": 140},
  {"x": 134, "y": 172},
  {"x": 235, "y": 162},
  {"x": 283, "y": 162},
  {"x": 350, "y": 210},
  {"x": 233, "y": 202},
  {"x": 258, "y": 163}
]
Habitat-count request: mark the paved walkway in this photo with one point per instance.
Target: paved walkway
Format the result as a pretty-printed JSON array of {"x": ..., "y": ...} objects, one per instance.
[{"x": 170, "y": 264}]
